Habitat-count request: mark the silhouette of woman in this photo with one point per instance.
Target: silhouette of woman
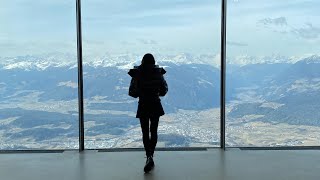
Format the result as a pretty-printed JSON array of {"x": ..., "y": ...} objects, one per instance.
[{"x": 148, "y": 84}]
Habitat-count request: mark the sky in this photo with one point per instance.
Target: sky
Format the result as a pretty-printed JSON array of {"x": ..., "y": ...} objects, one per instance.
[{"x": 254, "y": 27}]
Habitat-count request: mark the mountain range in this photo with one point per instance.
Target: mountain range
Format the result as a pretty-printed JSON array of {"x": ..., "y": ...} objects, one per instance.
[{"x": 39, "y": 93}]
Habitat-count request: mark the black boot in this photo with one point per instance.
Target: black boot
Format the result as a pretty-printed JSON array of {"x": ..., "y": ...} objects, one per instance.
[{"x": 149, "y": 164}]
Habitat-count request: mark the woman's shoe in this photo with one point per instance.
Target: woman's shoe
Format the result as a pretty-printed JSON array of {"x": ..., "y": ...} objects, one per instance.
[{"x": 149, "y": 164}]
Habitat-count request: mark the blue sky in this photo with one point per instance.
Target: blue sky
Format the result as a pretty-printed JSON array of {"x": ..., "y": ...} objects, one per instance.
[
  {"x": 266, "y": 27},
  {"x": 257, "y": 28}
]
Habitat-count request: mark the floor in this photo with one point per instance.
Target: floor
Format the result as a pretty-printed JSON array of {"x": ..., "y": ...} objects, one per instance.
[{"x": 170, "y": 165}]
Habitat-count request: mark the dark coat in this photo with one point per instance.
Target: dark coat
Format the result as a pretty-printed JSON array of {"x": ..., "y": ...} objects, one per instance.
[{"x": 148, "y": 84}]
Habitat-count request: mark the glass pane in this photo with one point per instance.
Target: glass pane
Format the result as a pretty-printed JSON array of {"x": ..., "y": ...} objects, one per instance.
[
  {"x": 184, "y": 37},
  {"x": 38, "y": 84},
  {"x": 273, "y": 73}
]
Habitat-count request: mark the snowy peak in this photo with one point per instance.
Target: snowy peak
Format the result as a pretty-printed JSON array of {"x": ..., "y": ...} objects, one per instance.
[
  {"x": 313, "y": 59},
  {"x": 39, "y": 63},
  {"x": 185, "y": 58},
  {"x": 127, "y": 61},
  {"x": 29, "y": 65},
  {"x": 246, "y": 59},
  {"x": 122, "y": 61}
]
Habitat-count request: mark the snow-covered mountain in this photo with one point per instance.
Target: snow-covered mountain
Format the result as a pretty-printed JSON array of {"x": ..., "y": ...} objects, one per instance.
[
  {"x": 53, "y": 74},
  {"x": 126, "y": 61},
  {"x": 38, "y": 95},
  {"x": 40, "y": 62},
  {"x": 243, "y": 60},
  {"x": 312, "y": 59}
]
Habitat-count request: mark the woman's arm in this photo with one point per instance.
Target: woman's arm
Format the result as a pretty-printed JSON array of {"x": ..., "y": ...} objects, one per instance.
[
  {"x": 134, "y": 88},
  {"x": 163, "y": 87}
]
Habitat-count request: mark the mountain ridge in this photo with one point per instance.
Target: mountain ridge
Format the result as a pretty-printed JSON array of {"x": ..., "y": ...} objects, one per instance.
[{"x": 127, "y": 61}]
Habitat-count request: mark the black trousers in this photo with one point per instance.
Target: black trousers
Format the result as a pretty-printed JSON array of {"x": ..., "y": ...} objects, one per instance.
[{"x": 149, "y": 142}]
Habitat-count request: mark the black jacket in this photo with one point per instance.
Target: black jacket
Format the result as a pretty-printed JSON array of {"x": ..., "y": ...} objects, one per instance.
[{"x": 148, "y": 84}]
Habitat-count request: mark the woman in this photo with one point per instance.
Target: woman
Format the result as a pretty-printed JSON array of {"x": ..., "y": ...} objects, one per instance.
[{"x": 148, "y": 84}]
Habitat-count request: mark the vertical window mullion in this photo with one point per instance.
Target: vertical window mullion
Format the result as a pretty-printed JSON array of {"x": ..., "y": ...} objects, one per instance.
[
  {"x": 80, "y": 76},
  {"x": 223, "y": 74}
]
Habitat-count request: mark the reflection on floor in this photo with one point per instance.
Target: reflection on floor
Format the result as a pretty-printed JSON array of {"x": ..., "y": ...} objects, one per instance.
[{"x": 170, "y": 165}]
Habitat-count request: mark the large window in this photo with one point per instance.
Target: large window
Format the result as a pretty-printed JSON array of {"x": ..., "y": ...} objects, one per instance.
[
  {"x": 272, "y": 87},
  {"x": 38, "y": 75},
  {"x": 184, "y": 37},
  {"x": 273, "y": 73}
]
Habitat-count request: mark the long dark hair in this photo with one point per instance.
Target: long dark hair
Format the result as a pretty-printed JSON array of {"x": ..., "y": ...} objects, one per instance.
[{"x": 148, "y": 60}]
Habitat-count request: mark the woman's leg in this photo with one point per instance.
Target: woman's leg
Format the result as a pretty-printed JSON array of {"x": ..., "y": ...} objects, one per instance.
[
  {"x": 144, "y": 122},
  {"x": 154, "y": 133}
]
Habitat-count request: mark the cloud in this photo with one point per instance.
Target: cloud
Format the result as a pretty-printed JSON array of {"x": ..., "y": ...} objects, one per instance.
[
  {"x": 93, "y": 42},
  {"x": 127, "y": 43},
  {"x": 280, "y": 25},
  {"x": 280, "y": 21},
  {"x": 147, "y": 42},
  {"x": 307, "y": 32},
  {"x": 4, "y": 36},
  {"x": 233, "y": 43},
  {"x": 68, "y": 84}
]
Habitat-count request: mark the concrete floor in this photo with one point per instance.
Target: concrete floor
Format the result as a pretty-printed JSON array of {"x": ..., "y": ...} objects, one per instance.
[{"x": 194, "y": 165}]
